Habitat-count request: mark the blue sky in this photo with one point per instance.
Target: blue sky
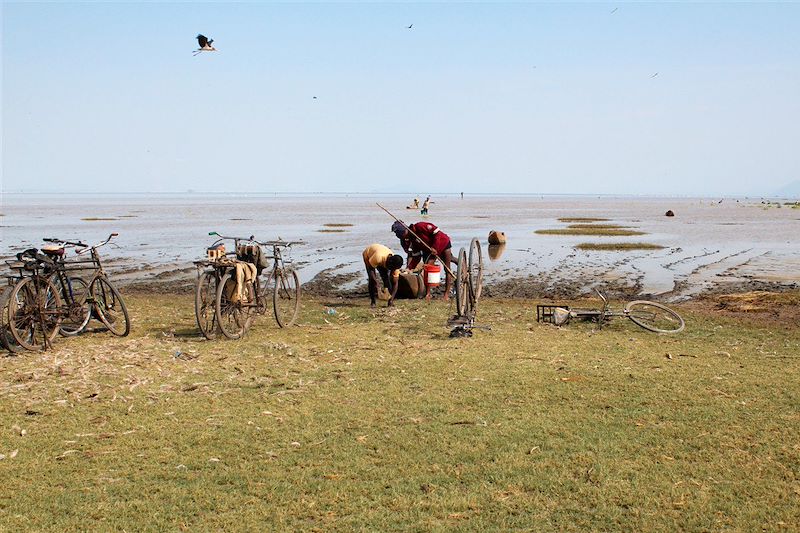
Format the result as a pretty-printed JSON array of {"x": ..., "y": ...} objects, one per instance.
[{"x": 480, "y": 97}]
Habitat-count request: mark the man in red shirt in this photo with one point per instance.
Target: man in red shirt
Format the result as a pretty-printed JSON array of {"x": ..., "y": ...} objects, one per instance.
[{"x": 435, "y": 239}]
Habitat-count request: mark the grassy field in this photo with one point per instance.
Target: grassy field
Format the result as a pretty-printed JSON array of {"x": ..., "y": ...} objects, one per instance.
[{"x": 375, "y": 419}]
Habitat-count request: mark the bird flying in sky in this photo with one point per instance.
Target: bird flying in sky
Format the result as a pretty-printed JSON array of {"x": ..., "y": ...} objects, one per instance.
[
  {"x": 409, "y": 26},
  {"x": 654, "y": 75},
  {"x": 205, "y": 44}
]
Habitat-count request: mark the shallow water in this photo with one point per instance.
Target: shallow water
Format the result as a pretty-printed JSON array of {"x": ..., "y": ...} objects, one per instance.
[{"x": 706, "y": 243}]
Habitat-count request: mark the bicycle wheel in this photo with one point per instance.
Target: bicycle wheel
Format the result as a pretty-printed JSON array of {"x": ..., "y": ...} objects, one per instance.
[
  {"x": 286, "y": 297},
  {"x": 475, "y": 268},
  {"x": 205, "y": 296},
  {"x": 77, "y": 307},
  {"x": 110, "y": 307},
  {"x": 654, "y": 317},
  {"x": 7, "y": 340},
  {"x": 233, "y": 317},
  {"x": 462, "y": 283},
  {"x": 34, "y": 313}
]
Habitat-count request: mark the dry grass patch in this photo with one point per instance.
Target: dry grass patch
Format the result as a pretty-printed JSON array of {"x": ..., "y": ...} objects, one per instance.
[
  {"x": 591, "y": 230},
  {"x": 596, "y": 226},
  {"x": 331, "y": 231},
  {"x": 758, "y": 301},
  {"x": 618, "y": 246},
  {"x": 338, "y": 225},
  {"x": 583, "y": 219},
  {"x": 97, "y": 219}
]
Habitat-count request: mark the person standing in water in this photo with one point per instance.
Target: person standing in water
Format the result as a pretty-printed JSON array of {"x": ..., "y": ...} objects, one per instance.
[{"x": 425, "y": 204}]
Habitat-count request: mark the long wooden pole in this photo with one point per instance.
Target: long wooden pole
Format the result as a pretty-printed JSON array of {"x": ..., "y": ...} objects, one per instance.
[{"x": 423, "y": 243}]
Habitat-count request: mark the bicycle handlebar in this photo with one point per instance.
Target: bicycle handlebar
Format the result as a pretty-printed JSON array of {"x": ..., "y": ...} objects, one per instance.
[
  {"x": 98, "y": 245},
  {"x": 62, "y": 242},
  {"x": 253, "y": 239}
]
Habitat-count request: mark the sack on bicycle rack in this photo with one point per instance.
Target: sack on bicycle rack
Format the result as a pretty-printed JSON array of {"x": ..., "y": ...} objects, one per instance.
[
  {"x": 251, "y": 253},
  {"x": 560, "y": 316},
  {"x": 215, "y": 252}
]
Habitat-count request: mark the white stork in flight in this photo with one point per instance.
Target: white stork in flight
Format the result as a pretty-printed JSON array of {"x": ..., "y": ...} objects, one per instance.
[{"x": 205, "y": 44}]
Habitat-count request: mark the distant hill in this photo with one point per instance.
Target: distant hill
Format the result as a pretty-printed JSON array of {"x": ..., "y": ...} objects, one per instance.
[{"x": 790, "y": 190}]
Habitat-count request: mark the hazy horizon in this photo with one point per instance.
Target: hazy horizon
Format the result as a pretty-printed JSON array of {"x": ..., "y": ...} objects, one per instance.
[{"x": 692, "y": 100}]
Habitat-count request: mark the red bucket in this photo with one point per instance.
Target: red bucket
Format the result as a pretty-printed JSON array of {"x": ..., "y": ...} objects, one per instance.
[{"x": 433, "y": 275}]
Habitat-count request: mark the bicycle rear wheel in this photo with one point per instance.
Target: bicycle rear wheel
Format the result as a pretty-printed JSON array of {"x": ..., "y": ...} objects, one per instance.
[
  {"x": 654, "y": 317},
  {"x": 110, "y": 307},
  {"x": 34, "y": 313},
  {"x": 234, "y": 316},
  {"x": 475, "y": 268},
  {"x": 462, "y": 283},
  {"x": 286, "y": 297},
  {"x": 205, "y": 296},
  {"x": 77, "y": 307}
]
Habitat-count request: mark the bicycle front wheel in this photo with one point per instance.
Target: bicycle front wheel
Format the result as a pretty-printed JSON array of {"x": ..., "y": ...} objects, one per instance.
[
  {"x": 34, "y": 313},
  {"x": 205, "y": 295},
  {"x": 462, "y": 284},
  {"x": 654, "y": 317},
  {"x": 475, "y": 268},
  {"x": 77, "y": 307},
  {"x": 286, "y": 297},
  {"x": 110, "y": 307},
  {"x": 7, "y": 340},
  {"x": 234, "y": 315}
]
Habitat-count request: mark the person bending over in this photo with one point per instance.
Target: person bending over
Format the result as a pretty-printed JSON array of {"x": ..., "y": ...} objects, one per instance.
[
  {"x": 379, "y": 260},
  {"x": 428, "y": 237}
]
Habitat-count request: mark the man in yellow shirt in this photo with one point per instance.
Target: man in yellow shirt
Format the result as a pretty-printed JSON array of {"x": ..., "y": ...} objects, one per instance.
[{"x": 378, "y": 259}]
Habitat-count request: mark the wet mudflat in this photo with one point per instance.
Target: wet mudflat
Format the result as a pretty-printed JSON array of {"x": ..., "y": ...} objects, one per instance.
[{"x": 706, "y": 245}]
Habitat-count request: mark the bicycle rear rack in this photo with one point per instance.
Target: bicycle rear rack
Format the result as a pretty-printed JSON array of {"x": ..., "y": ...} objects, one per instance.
[{"x": 546, "y": 313}]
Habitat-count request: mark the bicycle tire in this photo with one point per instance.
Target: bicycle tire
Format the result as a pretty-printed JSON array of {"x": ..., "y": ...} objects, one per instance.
[
  {"x": 286, "y": 297},
  {"x": 232, "y": 318},
  {"x": 110, "y": 307},
  {"x": 7, "y": 340},
  {"x": 475, "y": 269},
  {"x": 34, "y": 323},
  {"x": 205, "y": 304},
  {"x": 462, "y": 283},
  {"x": 78, "y": 312},
  {"x": 654, "y": 317}
]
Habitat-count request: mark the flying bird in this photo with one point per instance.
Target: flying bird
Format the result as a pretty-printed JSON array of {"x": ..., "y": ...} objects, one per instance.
[
  {"x": 205, "y": 44},
  {"x": 409, "y": 26},
  {"x": 654, "y": 75},
  {"x": 614, "y": 10}
]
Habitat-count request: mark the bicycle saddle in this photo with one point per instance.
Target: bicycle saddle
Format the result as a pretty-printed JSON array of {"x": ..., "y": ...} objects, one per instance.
[{"x": 53, "y": 250}]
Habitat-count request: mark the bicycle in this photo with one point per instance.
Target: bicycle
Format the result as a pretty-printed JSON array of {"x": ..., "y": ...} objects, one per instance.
[
  {"x": 221, "y": 305},
  {"x": 36, "y": 310},
  {"x": 468, "y": 288},
  {"x": 651, "y": 316}
]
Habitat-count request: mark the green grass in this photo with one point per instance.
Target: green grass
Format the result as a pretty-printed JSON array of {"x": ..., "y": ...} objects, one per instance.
[
  {"x": 339, "y": 225},
  {"x": 617, "y": 246},
  {"x": 331, "y": 230},
  {"x": 582, "y": 219},
  {"x": 589, "y": 230},
  {"x": 376, "y": 420}
]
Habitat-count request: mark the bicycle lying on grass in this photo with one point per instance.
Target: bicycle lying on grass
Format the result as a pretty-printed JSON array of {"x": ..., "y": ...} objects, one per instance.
[
  {"x": 46, "y": 297},
  {"x": 651, "y": 316},
  {"x": 227, "y": 303}
]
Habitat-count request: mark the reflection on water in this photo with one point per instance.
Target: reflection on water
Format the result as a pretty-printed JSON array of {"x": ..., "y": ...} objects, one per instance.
[{"x": 496, "y": 251}]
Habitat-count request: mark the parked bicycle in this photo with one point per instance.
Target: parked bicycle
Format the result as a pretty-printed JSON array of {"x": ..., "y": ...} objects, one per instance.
[
  {"x": 47, "y": 296},
  {"x": 651, "y": 316},
  {"x": 227, "y": 299}
]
